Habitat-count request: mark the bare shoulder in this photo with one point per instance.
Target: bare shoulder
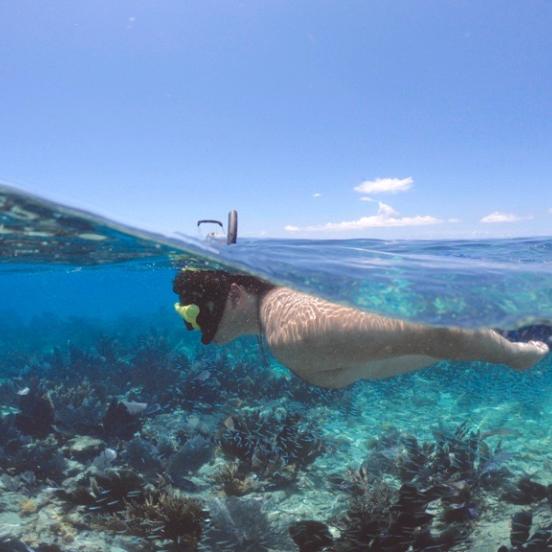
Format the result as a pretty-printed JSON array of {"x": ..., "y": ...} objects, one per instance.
[
  {"x": 291, "y": 317},
  {"x": 306, "y": 323},
  {"x": 313, "y": 336},
  {"x": 288, "y": 318}
]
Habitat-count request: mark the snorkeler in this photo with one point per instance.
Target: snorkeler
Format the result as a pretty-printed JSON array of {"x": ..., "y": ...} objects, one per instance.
[{"x": 328, "y": 344}]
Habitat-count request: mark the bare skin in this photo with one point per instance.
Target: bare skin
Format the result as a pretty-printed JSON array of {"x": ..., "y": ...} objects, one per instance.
[{"x": 332, "y": 345}]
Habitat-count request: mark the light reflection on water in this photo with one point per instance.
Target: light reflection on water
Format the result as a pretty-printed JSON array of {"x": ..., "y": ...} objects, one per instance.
[{"x": 500, "y": 283}]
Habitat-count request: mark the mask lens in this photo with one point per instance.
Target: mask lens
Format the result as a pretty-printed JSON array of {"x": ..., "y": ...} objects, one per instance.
[{"x": 189, "y": 314}]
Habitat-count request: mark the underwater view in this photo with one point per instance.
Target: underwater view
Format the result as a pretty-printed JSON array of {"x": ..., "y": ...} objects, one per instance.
[{"x": 122, "y": 431}]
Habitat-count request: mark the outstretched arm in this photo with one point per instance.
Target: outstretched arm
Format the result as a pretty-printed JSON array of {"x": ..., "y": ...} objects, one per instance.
[{"x": 308, "y": 327}]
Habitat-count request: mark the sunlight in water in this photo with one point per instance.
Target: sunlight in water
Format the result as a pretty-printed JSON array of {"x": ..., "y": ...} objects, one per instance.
[{"x": 120, "y": 428}]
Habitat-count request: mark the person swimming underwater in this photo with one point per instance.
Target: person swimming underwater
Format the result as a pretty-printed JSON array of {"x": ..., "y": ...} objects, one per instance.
[{"x": 327, "y": 344}]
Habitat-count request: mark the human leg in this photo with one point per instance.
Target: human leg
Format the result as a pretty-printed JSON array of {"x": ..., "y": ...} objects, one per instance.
[{"x": 464, "y": 344}]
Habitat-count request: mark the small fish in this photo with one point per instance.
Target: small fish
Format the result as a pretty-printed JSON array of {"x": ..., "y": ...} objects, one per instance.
[
  {"x": 134, "y": 408},
  {"x": 390, "y": 453},
  {"x": 110, "y": 454},
  {"x": 187, "y": 485},
  {"x": 24, "y": 392},
  {"x": 204, "y": 376},
  {"x": 105, "y": 459},
  {"x": 229, "y": 423},
  {"x": 495, "y": 462},
  {"x": 501, "y": 431},
  {"x": 473, "y": 513},
  {"x": 12, "y": 545},
  {"x": 153, "y": 409}
]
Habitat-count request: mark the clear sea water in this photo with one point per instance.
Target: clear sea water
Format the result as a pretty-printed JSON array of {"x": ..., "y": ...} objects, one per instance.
[{"x": 71, "y": 283}]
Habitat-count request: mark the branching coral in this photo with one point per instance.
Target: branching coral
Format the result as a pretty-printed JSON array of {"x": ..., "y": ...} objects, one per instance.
[
  {"x": 311, "y": 536},
  {"x": 8, "y": 544},
  {"x": 383, "y": 520},
  {"x": 144, "y": 456},
  {"x": 167, "y": 516},
  {"x": 40, "y": 457},
  {"x": 37, "y": 414},
  {"x": 454, "y": 468},
  {"x": 214, "y": 379},
  {"x": 119, "y": 423},
  {"x": 114, "y": 488},
  {"x": 72, "y": 365},
  {"x": 79, "y": 408},
  {"x": 11, "y": 439},
  {"x": 527, "y": 491},
  {"x": 151, "y": 367},
  {"x": 274, "y": 445},
  {"x": 239, "y": 525},
  {"x": 234, "y": 481},
  {"x": 369, "y": 515},
  {"x": 202, "y": 386},
  {"x": 195, "y": 452},
  {"x": 106, "y": 492},
  {"x": 540, "y": 540},
  {"x": 441, "y": 479}
]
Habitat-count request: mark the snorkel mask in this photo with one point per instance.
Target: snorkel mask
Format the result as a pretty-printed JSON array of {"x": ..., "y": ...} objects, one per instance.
[
  {"x": 189, "y": 313},
  {"x": 202, "y": 296}
]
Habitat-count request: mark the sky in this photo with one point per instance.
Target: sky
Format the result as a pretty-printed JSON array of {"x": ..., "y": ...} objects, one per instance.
[{"x": 314, "y": 119}]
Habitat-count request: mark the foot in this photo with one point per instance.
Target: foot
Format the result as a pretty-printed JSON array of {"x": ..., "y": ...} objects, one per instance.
[{"x": 525, "y": 355}]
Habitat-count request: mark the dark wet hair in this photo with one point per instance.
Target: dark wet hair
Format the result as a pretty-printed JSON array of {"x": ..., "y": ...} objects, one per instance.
[{"x": 209, "y": 289}]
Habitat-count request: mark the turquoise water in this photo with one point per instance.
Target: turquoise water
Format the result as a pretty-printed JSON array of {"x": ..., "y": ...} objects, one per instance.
[{"x": 436, "y": 460}]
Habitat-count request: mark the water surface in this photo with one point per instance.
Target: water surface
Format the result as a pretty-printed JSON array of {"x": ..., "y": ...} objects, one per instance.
[{"x": 88, "y": 327}]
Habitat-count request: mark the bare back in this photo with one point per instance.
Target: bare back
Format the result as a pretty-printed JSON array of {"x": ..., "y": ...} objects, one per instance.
[{"x": 332, "y": 345}]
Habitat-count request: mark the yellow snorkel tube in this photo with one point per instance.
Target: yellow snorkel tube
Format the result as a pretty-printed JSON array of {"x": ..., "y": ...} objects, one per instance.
[{"x": 189, "y": 313}]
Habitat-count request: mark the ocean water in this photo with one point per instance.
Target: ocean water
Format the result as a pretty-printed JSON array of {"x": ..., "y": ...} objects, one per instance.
[{"x": 119, "y": 430}]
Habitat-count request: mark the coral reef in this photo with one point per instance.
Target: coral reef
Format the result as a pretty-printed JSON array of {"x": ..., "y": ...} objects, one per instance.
[
  {"x": 526, "y": 491},
  {"x": 36, "y": 414},
  {"x": 275, "y": 445},
  {"x": 195, "y": 452},
  {"x": 167, "y": 516},
  {"x": 143, "y": 456},
  {"x": 239, "y": 525},
  {"x": 151, "y": 367},
  {"x": 99, "y": 438},
  {"x": 520, "y": 539},
  {"x": 442, "y": 484},
  {"x": 311, "y": 536},
  {"x": 234, "y": 481},
  {"x": 42, "y": 458},
  {"x": 79, "y": 408},
  {"x": 119, "y": 423},
  {"x": 105, "y": 492}
]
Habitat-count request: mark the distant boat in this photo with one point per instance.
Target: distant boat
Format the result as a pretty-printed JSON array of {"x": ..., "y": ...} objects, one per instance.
[{"x": 231, "y": 235}]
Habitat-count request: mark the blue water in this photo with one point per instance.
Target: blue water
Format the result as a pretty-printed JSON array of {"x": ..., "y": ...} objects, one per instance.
[{"x": 87, "y": 312}]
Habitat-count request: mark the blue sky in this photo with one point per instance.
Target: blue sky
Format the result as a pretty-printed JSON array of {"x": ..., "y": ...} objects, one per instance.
[{"x": 313, "y": 119}]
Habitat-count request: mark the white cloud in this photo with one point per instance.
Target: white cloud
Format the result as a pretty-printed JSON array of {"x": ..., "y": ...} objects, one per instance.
[
  {"x": 386, "y": 217},
  {"x": 453, "y": 220},
  {"x": 366, "y": 198},
  {"x": 386, "y": 210},
  {"x": 385, "y": 185},
  {"x": 317, "y": 194},
  {"x": 497, "y": 216}
]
